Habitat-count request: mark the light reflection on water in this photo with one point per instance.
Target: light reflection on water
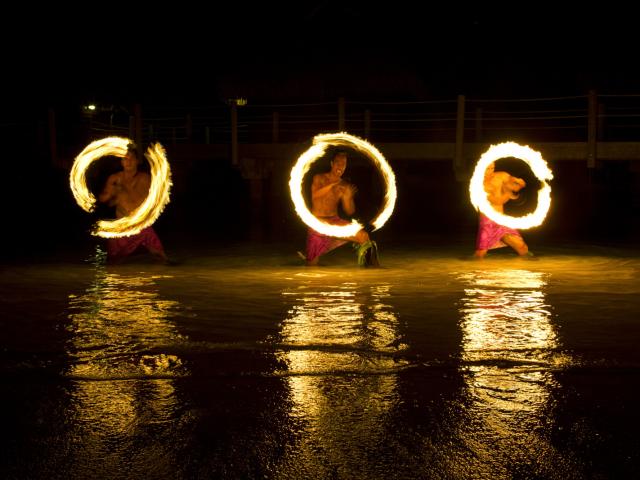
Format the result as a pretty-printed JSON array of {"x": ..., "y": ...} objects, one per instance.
[
  {"x": 339, "y": 344},
  {"x": 431, "y": 364},
  {"x": 509, "y": 351},
  {"x": 117, "y": 323},
  {"x": 121, "y": 330}
]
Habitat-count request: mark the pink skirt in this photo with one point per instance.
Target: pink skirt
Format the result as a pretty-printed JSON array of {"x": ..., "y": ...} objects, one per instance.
[
  {"x": 490, "y": 234},
  {"x": 118, "y": 248},
  {"x": 319, "y": 244}
]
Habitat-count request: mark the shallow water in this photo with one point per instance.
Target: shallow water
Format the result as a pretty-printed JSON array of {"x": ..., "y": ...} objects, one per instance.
[{"x": 238, "y": 363}]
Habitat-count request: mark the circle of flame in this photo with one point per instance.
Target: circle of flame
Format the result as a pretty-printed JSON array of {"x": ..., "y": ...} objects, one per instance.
[
  {"x": 147, "y": 212},
  {"x": 320, "y": 144},
  {"x": 539, "y": 168}
]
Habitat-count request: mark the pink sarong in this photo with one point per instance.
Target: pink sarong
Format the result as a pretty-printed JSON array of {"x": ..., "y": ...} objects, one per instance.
[
  {"x": 118, "y": 248},
  {"x": 319, "y": 244},
  {"x": 490, "y": 234}
]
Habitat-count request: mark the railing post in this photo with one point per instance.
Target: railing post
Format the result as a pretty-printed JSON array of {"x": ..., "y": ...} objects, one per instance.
[
  {"x": 592, "y": 130},
  {"x": 341, "y": 120},
  {"x": 458, "y": 160},
  {"x": 601, "y": 115}
]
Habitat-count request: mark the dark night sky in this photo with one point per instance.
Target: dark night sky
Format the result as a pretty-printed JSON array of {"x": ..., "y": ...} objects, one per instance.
[{"x": 191, "y": 51}]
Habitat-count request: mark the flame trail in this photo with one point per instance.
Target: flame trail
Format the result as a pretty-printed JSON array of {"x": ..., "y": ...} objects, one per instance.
[
  {"x": 540, "y": 170},
  {"x": 320, "y": 144},
  {"x": 148, "y": 211}
]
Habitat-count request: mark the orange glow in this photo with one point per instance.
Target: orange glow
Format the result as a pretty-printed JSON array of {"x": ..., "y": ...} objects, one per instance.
[
  {"x": 320, "y": 144},
  {"x": 540, "y": 170},
  {"x": 148, "y": 211}
]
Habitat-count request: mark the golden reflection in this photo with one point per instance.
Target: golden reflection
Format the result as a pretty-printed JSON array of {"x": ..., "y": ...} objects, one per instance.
[
  {"x": 338, "y": 343},
  {"x": 508, "y": 338},
  {"x": 509, "y": 348},
  {"x": 120, "y": 354}
]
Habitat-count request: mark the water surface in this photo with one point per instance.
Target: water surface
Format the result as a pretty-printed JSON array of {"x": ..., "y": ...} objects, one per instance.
[{"x": 242, "y": 363}]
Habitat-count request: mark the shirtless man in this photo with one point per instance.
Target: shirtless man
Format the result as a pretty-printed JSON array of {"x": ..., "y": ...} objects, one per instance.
[
  {"x": 126, "y": 190},
  {"x": 500, "y": 187},
  {"x": 328, "y": 191}
]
